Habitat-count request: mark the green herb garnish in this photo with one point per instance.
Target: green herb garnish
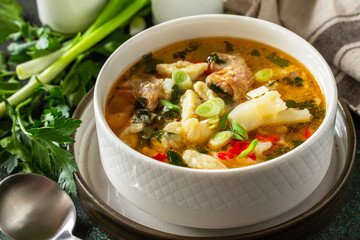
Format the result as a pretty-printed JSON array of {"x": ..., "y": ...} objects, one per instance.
[
  {"x": 169, "y": 105},
  {"x": 298, "y": 82},
  {"x": 297, "y": 142},
  {"x": 278, "y": 152},
  {"x": 255, "y": 53},
  {"x": 223, "y": 120},
  {"x": 167, "y": 115},
  {"x": 229, "y": 46},
  {"x": 201, "y": 149},
  {"x": 275, "y": 59},
  {"x": 215, "y": 58},
  {"x": 193, "y": 46},
  {"x": 150, "y": 133},
  {"x": 175, "y": 94},
  {"x": 217, "y": 89},
  {"x": 175, "y": 159},
  {"x": 313, "y": 108},
  {"x": 239, "y": 131},
  {"x": 142, "y": 116}
]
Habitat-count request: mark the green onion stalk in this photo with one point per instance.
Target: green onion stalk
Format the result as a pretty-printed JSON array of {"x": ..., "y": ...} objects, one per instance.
[{"x": 110, "y": 20}]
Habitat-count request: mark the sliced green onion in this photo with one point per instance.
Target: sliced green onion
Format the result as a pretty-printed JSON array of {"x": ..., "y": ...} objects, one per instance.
[
  {"x": 210, "y": 108},
  {"x": 249, "y": 149},
  {"x": 220, "y": 139},
  {"x": 238, "y": 129},
  {"x": 169, "y": 105},
  {"x": 214, "y": 120},
  {"x": 263, "y": 75},
  {"x": 182, "y": 79},
  {"x": 223, "y": 119}
]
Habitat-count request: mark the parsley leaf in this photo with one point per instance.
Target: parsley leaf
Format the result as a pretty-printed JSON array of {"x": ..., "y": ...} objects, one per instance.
[
  {"x": 229, "y": 46},
  {"x": 275, "y": 59},
  {"x": 193, "y": 46},
  {"x": 217, "y": 89},
  {"x": 10, "y": 18},
  {"x": 175, "y": 159},
  {"x": 175, "y": 94},
  {"x": 215, "y": 58},
  {"x": 255, "y": 53}
]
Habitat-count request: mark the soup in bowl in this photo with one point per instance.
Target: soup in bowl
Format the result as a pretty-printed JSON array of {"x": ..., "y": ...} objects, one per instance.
[{"x": 215, "y": 121}]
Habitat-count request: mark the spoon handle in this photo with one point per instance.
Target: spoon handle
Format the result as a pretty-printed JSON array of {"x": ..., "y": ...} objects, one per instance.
[{"x": 67, "y": 236}]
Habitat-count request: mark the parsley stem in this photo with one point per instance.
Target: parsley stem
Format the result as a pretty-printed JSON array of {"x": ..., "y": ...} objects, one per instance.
[
  {"x": 18, "y": 115},
  {"x": 8, "y": 74}
]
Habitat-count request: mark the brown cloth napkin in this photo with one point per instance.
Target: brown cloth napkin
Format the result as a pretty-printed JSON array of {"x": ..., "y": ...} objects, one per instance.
[{"x": 331, "y": 26}]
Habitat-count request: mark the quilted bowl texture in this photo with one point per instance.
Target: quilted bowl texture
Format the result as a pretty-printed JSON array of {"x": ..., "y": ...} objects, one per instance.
[{"x": 216, "y": 198}]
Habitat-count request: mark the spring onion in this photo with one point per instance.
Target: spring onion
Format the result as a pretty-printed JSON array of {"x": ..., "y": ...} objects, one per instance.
[
  {"x": 263, "y": 75},
  {"x": 169, "y": 105},
  {"x": 86, "y": 42},
  {"x": 210, "y": 108},
  {"x": 220, "y": 139},
  {"x": 249, "y": 149},
  {"x": 29, "y": 68},
  {"x": 182, "y": 79},
  {"x": 239, "y": 131},
  {"x": 214, "y": 122}
]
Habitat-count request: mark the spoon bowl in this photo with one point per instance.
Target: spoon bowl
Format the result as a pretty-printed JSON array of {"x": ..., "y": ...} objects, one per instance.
[{"x": 35, "y": 207}]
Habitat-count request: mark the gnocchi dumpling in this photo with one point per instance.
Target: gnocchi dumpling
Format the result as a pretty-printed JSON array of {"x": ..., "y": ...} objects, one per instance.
[{"x": 193, "y": 69}]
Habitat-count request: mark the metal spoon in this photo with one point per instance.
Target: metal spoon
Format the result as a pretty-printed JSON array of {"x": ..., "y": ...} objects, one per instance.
[{"x": 35, "y": 207}]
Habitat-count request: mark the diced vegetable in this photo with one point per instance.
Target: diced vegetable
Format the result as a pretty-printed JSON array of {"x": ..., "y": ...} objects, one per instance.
[
  {"x": 220, "y": 139},
  {"x": 238, "y": 146},
  {"x": 169, "y": 105},
  {"x": 225, "y": 155},
  {"x": 257, "y": 92},
  {"x": 263, "y": 75},
  {"x": 249, "y": 149},
  {"x": 160, "y": 157},
  {"x": 210, "y": 108},
  {"x": 307, "y": 133},
  {"x": 268, "y": 138},
  {"x": 182, "y": 79}
]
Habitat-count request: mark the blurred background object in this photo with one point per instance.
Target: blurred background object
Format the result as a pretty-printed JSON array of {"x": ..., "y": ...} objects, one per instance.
[
  {"x": 164, "y": 10},
  {"x": 69, "y": 16}
]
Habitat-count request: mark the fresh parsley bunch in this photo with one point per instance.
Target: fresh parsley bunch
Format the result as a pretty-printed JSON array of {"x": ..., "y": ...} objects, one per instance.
[{"x": 43, "y": 77}]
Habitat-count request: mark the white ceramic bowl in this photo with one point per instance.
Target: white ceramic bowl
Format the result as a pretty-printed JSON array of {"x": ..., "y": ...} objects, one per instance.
[{"x": 216, "y": 198}]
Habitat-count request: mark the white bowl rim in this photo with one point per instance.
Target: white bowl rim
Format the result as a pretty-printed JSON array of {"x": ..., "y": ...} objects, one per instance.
[{"x": 330, "y": 106}]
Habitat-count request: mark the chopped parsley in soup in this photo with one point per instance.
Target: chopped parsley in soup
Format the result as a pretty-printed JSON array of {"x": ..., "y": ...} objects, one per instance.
[{"x": 215, "y": 103}]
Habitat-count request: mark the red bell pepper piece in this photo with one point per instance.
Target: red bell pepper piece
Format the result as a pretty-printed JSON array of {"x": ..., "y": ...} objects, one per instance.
[
  {"x": 160, "y": 157},
  {"x": 238, "y": 146},
  {"x": 252, "y": 156},
  {"x": 269, "y": 138},
  {"x": 225, "y": 155},
  {"x": 307, "y": 133}
]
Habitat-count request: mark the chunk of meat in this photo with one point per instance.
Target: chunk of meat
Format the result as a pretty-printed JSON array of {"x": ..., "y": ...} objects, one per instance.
[
  {"x": 151, "y": 88},
  {"x": 233, "y": 76}
]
